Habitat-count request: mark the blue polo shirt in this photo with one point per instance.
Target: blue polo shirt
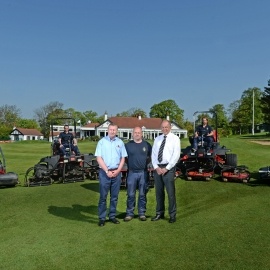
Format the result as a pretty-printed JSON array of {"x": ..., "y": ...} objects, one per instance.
[{"x": 111, "y": 151}]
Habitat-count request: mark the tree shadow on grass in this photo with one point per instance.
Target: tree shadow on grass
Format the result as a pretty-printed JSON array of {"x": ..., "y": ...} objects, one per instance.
[
  {"x": 76, "y": 212},
  {"x": 91, "y": 186}
]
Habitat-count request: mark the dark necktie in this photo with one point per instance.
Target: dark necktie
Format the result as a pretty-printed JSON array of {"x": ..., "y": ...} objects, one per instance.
[{"x": 160, "y": 151}]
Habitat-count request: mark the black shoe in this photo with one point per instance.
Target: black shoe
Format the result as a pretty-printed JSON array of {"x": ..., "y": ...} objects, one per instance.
[
  {"x": 157, "y": 217},
  {"x": 101, "y": 223},
  {"x": 114, "y": 220},
  {"x": 172, "y": 219}
]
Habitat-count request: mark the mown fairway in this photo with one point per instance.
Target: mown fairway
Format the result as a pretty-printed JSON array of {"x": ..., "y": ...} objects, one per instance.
[{"x": 219, "y": 225}]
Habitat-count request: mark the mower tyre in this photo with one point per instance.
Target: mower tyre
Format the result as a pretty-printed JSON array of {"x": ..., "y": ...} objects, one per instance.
[{"x": 231, "y": 160}]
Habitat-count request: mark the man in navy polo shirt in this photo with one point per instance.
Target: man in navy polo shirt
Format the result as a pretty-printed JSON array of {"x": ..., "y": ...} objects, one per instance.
[
  {"x": 203, "y": 133},
  {"x": 139, "y": 155}
]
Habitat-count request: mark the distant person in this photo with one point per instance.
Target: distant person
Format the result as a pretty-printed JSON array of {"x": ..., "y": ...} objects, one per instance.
[
  {"x": 110, "y": 154},
  {"x": 203, "y": 133},
  {"x": 139, "y": 155},
  {"x": 67, "y": 140},
  {"x": 165, "y": 155}
]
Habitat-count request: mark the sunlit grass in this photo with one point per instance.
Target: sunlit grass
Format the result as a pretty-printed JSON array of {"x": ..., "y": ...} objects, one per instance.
[{"x": 219, "y": 225}]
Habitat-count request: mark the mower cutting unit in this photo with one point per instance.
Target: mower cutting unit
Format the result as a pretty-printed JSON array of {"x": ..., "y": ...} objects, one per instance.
[
  {"x": 210, "y": 160},
  {"x": 61, "y": 169},
  {"x": 7, "y": 179},
  {"x": 264, "y": 173},
  {"x": 235, "y": 174}
]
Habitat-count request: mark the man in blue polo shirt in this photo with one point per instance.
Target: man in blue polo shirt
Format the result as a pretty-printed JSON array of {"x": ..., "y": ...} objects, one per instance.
[
  {"x": 110, "y": 154},
  {"x": 139, "y": 154}
]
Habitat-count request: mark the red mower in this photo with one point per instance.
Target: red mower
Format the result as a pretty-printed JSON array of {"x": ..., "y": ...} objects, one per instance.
[
  {"x": 209, "y": 160},
  {"x": 7, "y": 179}
]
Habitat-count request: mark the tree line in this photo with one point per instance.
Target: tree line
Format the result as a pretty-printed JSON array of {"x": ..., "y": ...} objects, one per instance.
[{"x": 252, "y": 109}]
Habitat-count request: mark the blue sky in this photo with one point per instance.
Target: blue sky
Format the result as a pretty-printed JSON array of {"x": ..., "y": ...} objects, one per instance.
[{"x": 114, "y": 55}]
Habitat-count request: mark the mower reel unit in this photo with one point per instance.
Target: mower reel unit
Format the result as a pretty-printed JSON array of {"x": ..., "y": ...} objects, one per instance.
[
  {"x": 61, "y": 169},
  {"x": 7, "y": 179},
  {"x": 209, "y": 160}
]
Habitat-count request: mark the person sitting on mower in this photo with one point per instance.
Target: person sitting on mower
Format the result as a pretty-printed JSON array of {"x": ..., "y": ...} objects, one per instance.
[
  {"x": 67, "y": 140},
  {"x": 203, "y": 133}
]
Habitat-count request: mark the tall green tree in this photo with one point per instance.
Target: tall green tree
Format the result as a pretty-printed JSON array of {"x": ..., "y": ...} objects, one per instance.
[
  {"x": 242, "y": 115},
  {"x": 168, "y": 108},
  {"x": 265, "y": 103},
  {"x": 222, "y": 120}
]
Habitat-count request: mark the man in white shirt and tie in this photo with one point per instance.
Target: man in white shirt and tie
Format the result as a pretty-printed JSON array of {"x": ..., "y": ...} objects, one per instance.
[{"x": 165, "y": 154}]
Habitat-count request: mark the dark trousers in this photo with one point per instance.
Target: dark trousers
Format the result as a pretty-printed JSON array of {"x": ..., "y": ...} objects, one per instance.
[
  {"x": 73, "y": 148},
  {"x": 207, "y": 139},
  {"x": 136, "y": 180},
  {"x": 107, "y": 184},
  {"x": 165, "y": 181}
]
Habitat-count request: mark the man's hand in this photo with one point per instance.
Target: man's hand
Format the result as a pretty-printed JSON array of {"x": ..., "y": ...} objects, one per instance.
[{"x": 161, "y": 171}]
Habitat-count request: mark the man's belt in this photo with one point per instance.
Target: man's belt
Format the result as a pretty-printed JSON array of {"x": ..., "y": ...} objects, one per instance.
[{"x": 162, "y": 165}]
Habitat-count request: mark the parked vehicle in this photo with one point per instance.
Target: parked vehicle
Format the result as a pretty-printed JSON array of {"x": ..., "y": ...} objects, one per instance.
[
  {"x": 210, "y": 160},
  {"x": 7, "y": 179}
]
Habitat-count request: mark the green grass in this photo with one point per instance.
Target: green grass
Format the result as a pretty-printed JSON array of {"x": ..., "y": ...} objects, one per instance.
[{"x": 219, "y": 225}]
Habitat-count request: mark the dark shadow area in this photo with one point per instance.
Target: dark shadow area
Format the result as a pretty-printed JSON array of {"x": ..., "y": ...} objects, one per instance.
[
  {"x": 80, "y": 213},
  {"x": 257, "y": 181},
  {"x": 91, "y": 186},
  {"x": 6, "y": 187},
  {"x": 76, "y": 212}
]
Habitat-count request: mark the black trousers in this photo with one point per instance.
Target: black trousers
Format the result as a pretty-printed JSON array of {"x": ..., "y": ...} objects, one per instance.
[{"x": 167, "y": 182}]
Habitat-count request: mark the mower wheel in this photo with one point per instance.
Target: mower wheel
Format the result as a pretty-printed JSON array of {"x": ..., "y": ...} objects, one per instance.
[
  {"x": 29, "y": 177},
  {"x": 231, "y": 160},
  {"x": 225, "y": 179},
  {"x": 189, "y": 178}
]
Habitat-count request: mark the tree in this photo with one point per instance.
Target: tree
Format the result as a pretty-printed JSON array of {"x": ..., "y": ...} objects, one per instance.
[
  {"x": 133, "y": 112},
  {"x": 168, "y": 108},
  {"x": 45, "y": 113},
  {"x": 9, "y": 115},
  {"x": 189, "y": 126},
  {"x": 265, "y": 103},
  {"x": 241, "y": 112},
  {"x": 91, "y": 116},
  {"x": 27, "y": 123},
  {"x": 222, "y": 119}
]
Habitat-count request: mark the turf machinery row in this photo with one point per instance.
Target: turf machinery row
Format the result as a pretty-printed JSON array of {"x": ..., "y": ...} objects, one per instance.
[{"x": 209, "y": 161}]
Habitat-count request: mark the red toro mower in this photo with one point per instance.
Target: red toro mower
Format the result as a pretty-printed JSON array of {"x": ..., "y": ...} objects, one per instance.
[
  {"x": 7, "y": 179},
  {"x": 209, "y": 160}
]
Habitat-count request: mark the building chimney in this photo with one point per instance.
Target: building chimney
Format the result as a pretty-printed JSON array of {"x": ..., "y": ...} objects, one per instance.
[
  {"x": 140, "y": 118},
  {"x": 105, "y": 116},
  {"x": 168, "y": 117}
]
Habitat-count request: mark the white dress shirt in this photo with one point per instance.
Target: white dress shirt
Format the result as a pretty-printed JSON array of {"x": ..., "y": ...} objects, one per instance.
[{"x": 171, "y": 152}]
